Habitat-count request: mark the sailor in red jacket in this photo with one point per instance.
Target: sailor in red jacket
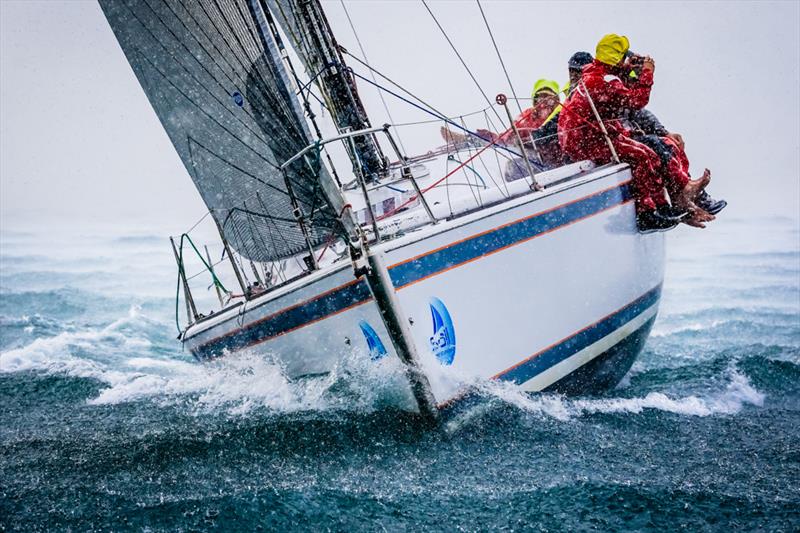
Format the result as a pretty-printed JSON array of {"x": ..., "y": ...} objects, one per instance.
[{"x": 581, "y": 136}]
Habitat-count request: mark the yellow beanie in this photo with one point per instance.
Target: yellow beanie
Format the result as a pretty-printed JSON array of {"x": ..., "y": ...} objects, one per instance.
[
  {"x": 544, "y": 84},
  {"x": 612, "y": 48}
]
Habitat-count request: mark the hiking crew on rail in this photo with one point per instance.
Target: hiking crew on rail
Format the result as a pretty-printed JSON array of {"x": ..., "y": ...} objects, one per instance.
[{"x": 614, "y": 85}]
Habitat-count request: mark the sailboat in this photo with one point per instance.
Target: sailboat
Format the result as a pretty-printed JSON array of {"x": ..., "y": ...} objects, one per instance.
[{"x": 541, "y": 281}]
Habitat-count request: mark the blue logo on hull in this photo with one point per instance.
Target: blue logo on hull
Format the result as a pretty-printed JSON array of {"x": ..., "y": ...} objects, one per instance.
[
  {"x": 376, "y": 348},
  {"x": 443, "y": 341}
]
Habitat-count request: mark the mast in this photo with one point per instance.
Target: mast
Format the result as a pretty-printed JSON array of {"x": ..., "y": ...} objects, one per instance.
[{"x": 338, "y": 85}]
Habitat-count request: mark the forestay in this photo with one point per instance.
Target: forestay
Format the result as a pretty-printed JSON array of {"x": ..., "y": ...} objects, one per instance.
[{"x": 216, "y": 81}]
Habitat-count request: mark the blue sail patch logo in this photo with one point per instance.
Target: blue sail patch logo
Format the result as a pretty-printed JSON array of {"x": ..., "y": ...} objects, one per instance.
[
  {"x": 443, "y": 341},
  {"x": 376, "y": 348},
  {"x": 238, "y": 99}
]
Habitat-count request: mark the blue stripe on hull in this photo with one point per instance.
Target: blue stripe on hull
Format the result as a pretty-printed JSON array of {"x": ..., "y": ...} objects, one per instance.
[
  {"x": 287, "y": 320},
  {"x": 606, "y": 370},
  {"x": 600, "y": 374},
  {"x": 422, "y": 267},
  {"x": 505, "y": 236},
  {"x": 541, "y": 361}
]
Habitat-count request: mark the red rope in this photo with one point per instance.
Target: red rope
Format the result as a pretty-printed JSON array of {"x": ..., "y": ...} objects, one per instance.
[
  {"x": 437, "y": 182},
  {"x": 333, "y": 234}
]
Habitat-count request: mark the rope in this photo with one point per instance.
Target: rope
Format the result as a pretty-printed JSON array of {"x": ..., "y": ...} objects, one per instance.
[
  {"x": 497, "y": 50},
  {"x": 483, "y": 182},
  {"x": 196, "y": 274},
  {"x": 478, "y": 85},
  {"x": 214, "y": 277},
  {"x": 182, "y": 272},
  {"x": 435, "y": 120},
  {"x": 202, "y": 218},
  {"x": 437, "y": 182},
  {"x": 435, "y": 113},
  {"x": 366, "y": 60}
]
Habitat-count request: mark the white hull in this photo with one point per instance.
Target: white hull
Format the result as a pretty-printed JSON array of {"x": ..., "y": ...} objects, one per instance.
[{"x": 550, "y": 289}]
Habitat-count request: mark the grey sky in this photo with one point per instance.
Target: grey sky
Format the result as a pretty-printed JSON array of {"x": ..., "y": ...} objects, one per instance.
[{"x": 79, "y": 143}]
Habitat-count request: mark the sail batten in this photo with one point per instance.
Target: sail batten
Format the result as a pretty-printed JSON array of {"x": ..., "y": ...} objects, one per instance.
[{"x": 219, "y": 87}]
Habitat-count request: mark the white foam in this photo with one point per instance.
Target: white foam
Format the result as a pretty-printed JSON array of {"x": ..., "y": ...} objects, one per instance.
[
  {"x": 736, "y": 394},
  {"x": 661, "y": 330},
  {"x": 120, "y": 356},
  {"x": 84, "y": 353},
  {"x": 241, "y": 383}
]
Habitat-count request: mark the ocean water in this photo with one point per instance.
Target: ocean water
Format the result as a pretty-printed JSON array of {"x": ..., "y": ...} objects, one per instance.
[{"x": 105, "y": 424}]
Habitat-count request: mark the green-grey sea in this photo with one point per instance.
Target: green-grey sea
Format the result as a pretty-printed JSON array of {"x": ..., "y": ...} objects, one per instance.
[{"x": 106, "y": 425}]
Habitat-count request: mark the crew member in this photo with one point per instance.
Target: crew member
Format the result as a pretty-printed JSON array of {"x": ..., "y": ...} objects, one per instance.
[
  {"x": 575, "y": 68},
  {"x": 581, "y": 136},
  {"x": 537, "y": 127}
]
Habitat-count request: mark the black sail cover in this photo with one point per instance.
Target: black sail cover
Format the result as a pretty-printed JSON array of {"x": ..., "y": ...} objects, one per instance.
[{"x": 221, "y": 92}]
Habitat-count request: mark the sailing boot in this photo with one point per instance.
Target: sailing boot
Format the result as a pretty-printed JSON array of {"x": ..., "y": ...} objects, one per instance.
[
  {"x": 705, "y": 202},
  {"x": 664, "y": 218}
]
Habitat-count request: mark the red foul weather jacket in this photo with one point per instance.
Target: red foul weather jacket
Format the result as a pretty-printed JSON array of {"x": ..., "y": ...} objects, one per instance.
[
  {"x": 611, "y": 97},
  {"x": 581, "y": 137}
]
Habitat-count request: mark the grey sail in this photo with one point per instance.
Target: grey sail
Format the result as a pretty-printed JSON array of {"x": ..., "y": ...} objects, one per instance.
[{"x": 216, "y": 81}]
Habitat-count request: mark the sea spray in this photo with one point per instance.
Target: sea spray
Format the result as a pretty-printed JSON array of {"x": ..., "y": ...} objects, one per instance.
[{"x": 107, "y": 423}]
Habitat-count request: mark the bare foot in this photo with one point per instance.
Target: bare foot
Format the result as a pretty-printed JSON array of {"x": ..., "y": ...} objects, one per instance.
[
  {"x": 695, "y": 187},
  {"x": 697, "y": 217},
  {"x": 692, "y": 189}
]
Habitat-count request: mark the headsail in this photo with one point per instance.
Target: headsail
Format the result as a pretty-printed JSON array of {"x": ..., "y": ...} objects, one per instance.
[
  {"x": 307, "y": 27},
  {"x": 217, "y": 83}
]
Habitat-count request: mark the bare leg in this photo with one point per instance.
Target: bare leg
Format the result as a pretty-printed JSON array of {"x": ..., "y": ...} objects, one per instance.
[{"x": 697, "y": 217}]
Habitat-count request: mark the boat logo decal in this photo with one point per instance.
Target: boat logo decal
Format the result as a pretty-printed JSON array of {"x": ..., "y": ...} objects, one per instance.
[
  {"x": 443, "y": 341},
  {"x": 376, "y": 348}
]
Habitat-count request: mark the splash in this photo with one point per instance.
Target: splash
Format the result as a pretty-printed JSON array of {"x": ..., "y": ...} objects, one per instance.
[
  {"x": 122, "y": 355},
  {"x": 737, "y": 393},
  {"x": 134, "y": 364}
]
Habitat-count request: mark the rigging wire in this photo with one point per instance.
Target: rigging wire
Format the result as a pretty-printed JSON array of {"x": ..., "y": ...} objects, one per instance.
[
  {"x": 435, "y": 113},
  {"x": 366, "y": 60},
  {"x": 436, "y": 120},
  {"x": 471, "y": 75},
  {"x": 500, "y": 57},
  {"x": 384, "y": 76}
]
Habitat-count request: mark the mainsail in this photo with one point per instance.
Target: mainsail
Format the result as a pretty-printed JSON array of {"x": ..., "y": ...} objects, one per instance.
[{"x": 216, "y": 81}]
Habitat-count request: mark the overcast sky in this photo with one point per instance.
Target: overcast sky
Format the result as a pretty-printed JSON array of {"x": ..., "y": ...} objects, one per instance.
[{"x": 80, "y": 144}]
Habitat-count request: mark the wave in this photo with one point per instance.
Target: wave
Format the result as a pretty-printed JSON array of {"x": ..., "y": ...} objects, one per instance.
[
  {"x": 88, "y": 352},
  {"x": 731, "y": 332},
  {"x": 135, "y": 362},
  {"x": 244, "y": 384},
  {"x": 730, "y": 400}
]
